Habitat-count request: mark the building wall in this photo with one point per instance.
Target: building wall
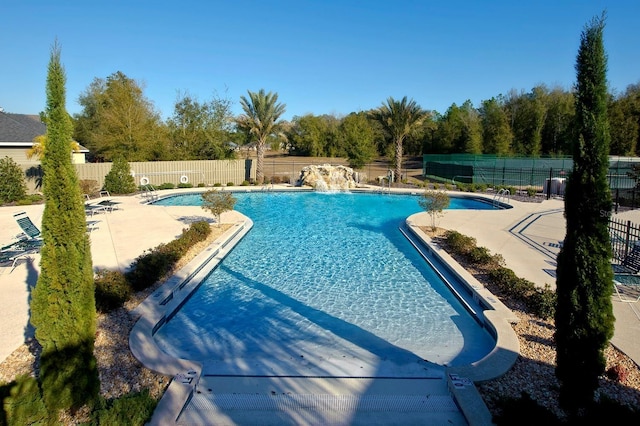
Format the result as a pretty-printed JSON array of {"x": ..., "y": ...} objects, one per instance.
[{"x": 18, "y": 154}]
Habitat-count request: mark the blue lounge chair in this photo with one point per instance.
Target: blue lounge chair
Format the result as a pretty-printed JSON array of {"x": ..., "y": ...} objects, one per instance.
[
  {"x": 16, "y": 251},
  {"x": 92, "y": 207},
  {"x": 30, "y": 230}
]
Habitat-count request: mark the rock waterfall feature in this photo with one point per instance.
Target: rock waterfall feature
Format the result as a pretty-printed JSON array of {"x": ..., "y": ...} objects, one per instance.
[{"x": 327, "y": 177}]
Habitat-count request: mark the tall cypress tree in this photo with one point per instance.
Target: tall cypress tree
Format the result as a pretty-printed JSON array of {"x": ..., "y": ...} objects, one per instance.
[
  {"x": 63, "y": 301},
  {"x": 584, "y": 314}
]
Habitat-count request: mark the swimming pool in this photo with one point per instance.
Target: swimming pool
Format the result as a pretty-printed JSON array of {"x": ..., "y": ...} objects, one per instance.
[{"x": 324, "y": 285}]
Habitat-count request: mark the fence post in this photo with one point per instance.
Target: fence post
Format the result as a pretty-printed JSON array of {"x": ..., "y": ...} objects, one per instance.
[
  {"x": 549, "y": 183},
  {"x": 626, "y": 239}
]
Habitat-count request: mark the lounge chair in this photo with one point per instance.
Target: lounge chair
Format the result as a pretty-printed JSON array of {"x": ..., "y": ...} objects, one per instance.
[
  {"x": 631, "y": 261},
  {"x": 91, "y": 225},
  {"x": 104, "y": 205},
  {"x": 627, "y": 287},
  {"x": 16, "y": 251},
  {"x": 30, "y": 230},
  {"x": 91, "y": 209},
  {"x": 626, "y": 276},
  {"x": 108, "y": 202}
]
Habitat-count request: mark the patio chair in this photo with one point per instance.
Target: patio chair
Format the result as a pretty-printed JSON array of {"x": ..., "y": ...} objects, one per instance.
[
  {"x": 16, "y": 251},
  {"x": 29, "y": 229},
  {"x": 632, "y": 259},
  {"x": 91, "y": 225},
  {"x": 91, "y": 209},
  {"x": 627, "y": 287},
  {"x": 104, "y": 205}
]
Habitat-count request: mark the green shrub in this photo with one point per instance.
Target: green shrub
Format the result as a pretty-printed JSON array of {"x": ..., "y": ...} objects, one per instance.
[
  {"x": 112, "y": 290},
  {"x": 154, "y": 264},
  {"x": 496, "y": 261},
  {"x": 526, "y": 411},
  {"x": 515, "y": 410},
  {"x": 30, "y": 199},
  {"x": 150, "y": 266},
  {"x": 522, "y": 288},
  {"x": 198, "y": 231},
  {"x": 167, "y": 185},
  {"x": 185, "y": 185},
  {"x": 480, "y": 256},
  {"x": 12, "y": 185},
  {"x": 503, "y": 278},
  {"x": 459, "y": 243},
  {"x": 131, "y": 409},
  {"x": 531, "y": 192},
  {"x": 201, "y": 185},
  {"x": 217, "y": 184},
  {"x": 511, "y": 189},
  {"x": 542, "y": 302},
  {"x": 245, "y": 183},
  {"x": 23, "y": 403},
  {"x": 230, "y": 184},
  {"x": 119, "y": 180}
]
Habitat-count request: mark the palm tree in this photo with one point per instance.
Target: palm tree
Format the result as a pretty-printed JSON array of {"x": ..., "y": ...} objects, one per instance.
[
  {"x": 260, "y": 118},
  {"x": 399, "y": 119},
  {"x": 38, "y": 147}
]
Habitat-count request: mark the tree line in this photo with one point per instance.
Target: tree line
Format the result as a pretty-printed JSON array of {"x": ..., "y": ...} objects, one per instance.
[{"x": 117, "y": 119}]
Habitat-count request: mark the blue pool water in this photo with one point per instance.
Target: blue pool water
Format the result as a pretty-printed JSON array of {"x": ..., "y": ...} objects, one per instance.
[{"x": 324, "y": 284}]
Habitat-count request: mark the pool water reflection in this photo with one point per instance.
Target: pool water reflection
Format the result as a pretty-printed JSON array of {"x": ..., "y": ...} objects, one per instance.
[{"x": 324, "y": 284}]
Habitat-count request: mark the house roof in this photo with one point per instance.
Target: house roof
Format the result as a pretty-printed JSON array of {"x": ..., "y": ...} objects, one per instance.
[{"x": 20, "y": 128}]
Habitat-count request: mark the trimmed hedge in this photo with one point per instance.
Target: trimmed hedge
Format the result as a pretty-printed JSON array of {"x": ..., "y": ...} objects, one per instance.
[
  {"x": 131, "y": 409},
  {"x": 539, "y": 301},
  {"x": 149, "y": 267},
  {"x": 113, "y": 288}
]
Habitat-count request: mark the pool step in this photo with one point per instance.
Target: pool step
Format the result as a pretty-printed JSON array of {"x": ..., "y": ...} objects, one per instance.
[{"x": 334, "y": 401}]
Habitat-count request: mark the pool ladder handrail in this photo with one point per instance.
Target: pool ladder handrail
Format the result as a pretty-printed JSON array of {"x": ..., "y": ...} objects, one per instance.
[
  {"x": 387, "y": 188},
  {"x": 504, "y": 193},
  {"x": 149, "y": 193}
]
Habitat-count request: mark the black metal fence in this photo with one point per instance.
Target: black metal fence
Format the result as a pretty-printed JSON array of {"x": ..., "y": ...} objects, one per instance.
[
  {"x": 624, "y": 236},
  {"x": 548, "y": 180}
]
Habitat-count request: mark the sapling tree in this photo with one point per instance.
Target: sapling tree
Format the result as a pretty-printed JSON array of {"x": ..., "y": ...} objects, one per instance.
[
  {"x": 434, "y": 202},
  {"x": 218, "y": 202}
]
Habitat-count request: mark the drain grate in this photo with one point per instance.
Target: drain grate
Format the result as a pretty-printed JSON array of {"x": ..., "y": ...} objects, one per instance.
[{"x": 336, "y": 403}]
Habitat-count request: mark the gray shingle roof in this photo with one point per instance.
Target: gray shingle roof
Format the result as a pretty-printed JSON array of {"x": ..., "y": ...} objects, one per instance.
[{"x": 20, "y": 127}]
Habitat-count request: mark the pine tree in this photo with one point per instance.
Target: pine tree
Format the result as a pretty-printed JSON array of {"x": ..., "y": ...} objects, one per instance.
[
  {"x": 584, "y": 314},
  {"x": 119, "y": 179},
  {"x": 63, "y": 302}
]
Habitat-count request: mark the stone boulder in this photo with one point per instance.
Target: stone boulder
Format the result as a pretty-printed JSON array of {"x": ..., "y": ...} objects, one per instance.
[{"x": 327, "y": 177}]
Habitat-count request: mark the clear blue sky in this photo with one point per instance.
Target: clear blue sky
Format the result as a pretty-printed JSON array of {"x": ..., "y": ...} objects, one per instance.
[{"x": 321, "y": 57}]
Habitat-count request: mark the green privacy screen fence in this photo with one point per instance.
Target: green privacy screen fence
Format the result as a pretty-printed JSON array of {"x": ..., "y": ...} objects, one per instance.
[{"x": 542, "y": 173}]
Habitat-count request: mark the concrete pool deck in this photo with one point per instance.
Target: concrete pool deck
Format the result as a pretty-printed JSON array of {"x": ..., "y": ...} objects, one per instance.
[{"x": 528, "y": 237}]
